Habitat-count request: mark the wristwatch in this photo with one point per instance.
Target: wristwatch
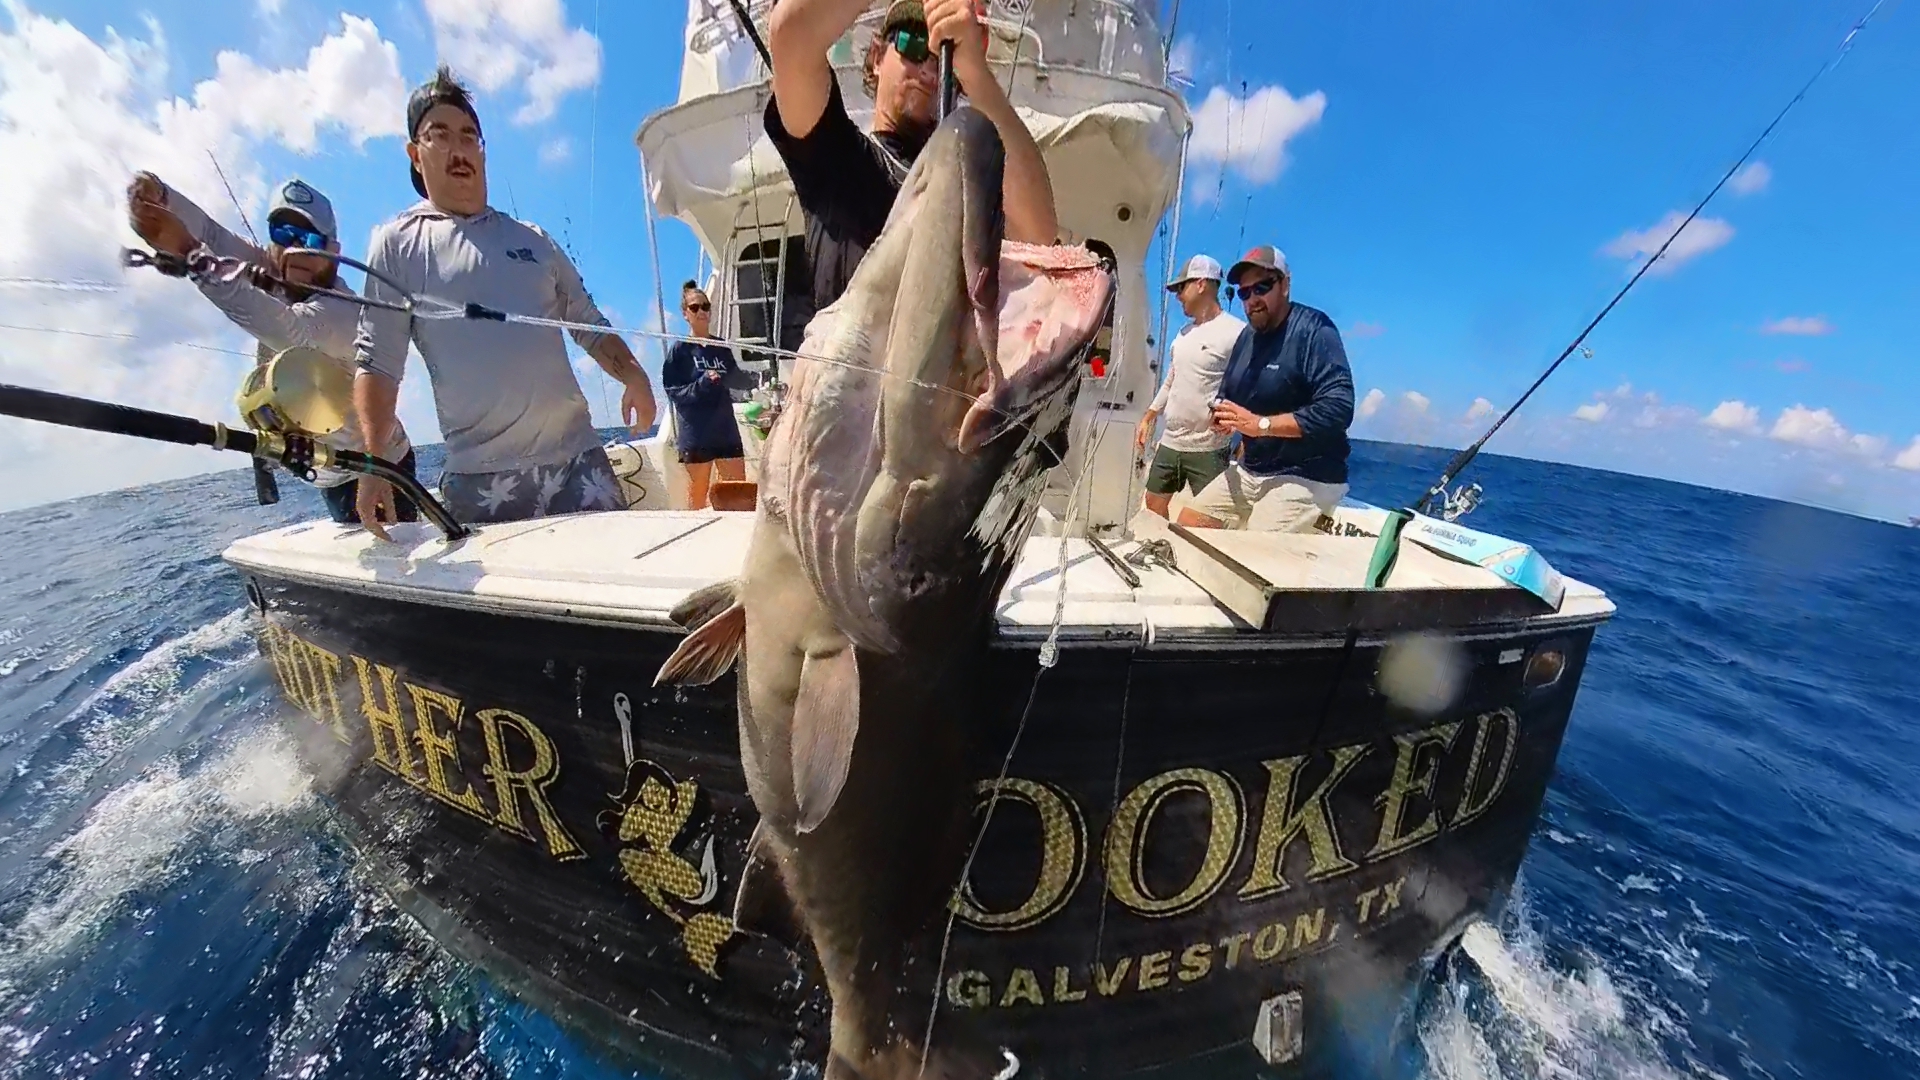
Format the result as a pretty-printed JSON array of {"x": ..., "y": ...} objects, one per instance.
[{"x": 1266, "y": 423}]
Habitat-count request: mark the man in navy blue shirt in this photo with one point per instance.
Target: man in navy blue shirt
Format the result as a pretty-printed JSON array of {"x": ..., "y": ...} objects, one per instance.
[
  {"x": 1286, "y": 400},
  {"x": 696, "y": 374}
]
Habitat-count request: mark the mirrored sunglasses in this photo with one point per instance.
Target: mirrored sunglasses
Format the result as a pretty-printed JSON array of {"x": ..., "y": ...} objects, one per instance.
[{"x": 289, "y": 235}]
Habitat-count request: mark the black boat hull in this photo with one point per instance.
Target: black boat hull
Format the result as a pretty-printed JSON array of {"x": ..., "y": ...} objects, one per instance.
[{"x": 1183, "y": 834}]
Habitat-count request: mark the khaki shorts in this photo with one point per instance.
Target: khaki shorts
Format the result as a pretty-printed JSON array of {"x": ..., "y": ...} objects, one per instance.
[{"x": 1239, "y": 499}]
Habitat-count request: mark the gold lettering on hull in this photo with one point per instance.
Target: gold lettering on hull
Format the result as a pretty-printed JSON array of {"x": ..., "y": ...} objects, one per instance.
[
  {"x": 1407, "y": 780},
  {"x": 414, "y": 731},
  {"x": 1282, "y": 824},
  {"x": 1126, "y": 846},
  {"x": 1063, "y": 856},
  {"x": 511, "y": 784}
]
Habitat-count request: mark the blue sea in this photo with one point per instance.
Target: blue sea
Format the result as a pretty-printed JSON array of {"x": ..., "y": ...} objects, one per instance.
[{"x": 1725, "y": 881}]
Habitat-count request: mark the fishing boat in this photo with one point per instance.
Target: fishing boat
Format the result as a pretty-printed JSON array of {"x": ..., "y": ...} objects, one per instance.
[{"x": 1244, "y": 789}]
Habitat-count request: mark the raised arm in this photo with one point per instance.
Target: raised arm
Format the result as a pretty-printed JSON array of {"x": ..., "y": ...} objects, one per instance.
[
  {"x": 1028, "y": 190},
  {"x": 219, "y": 239},
  {"x": 798, "y": 37},
  {"x": 322, "y": 322}
]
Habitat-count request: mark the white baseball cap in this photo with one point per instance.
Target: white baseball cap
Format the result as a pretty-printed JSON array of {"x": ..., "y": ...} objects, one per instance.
[
  {"x": 296, "y": 196},
  {"x": 1200, "y": 267}
]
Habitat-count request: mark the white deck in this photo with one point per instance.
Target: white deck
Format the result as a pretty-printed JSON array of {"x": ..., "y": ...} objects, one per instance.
[{"x": 631, "y": 568}]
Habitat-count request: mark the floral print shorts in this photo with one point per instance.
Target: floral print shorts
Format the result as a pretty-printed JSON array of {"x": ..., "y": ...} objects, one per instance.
[{"x": 583, "y": 484}]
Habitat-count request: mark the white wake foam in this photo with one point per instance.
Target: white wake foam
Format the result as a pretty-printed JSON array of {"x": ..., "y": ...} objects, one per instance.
[
  {"x": 136, "y": 836},
  {"x": 1521, "y": 1017}
]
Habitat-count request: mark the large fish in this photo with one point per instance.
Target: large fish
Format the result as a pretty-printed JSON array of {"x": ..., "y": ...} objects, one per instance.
[{"x": 896, "y": 491}]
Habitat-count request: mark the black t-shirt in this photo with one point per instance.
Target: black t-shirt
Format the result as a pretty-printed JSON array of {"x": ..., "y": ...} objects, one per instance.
[{"x": 846, "y": 181}]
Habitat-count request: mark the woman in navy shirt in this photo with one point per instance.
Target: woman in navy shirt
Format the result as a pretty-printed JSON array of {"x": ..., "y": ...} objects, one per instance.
[{"x": 696, "y": 374}]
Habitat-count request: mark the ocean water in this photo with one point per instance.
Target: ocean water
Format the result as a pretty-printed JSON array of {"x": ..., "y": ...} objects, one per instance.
[{"x": 1723, "y": 883}]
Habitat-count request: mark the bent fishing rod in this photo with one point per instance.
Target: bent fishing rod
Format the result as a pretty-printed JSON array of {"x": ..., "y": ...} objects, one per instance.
[
  {"x": 1437, "y": 494},
  {"x": 298, "y": 452}
]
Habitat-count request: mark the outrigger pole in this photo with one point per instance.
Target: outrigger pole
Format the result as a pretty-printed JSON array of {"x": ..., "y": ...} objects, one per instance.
[{"x": 297, "y": 452}]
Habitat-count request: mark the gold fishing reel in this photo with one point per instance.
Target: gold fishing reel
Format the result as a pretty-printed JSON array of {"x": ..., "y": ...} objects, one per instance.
[{"x": 301, "y": 391}]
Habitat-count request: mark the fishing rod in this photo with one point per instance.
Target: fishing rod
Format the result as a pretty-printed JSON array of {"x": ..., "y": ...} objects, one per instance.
[
  {"x": 1438, "y": 492},
  {"x": 298, "y": 452}
]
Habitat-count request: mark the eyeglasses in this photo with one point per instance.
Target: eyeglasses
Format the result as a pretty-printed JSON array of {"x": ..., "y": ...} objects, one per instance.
[
  {"x": 289, "y": 235},
  {"x": 440, "y": 137},
  {"x": 701, "y": 305},
  {"x": 911, "y": 44},
  {"x": 1258, "y": 288}
]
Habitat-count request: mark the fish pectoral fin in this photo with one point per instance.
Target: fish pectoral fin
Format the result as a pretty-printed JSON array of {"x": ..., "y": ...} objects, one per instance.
[
  {"x": 826, "y": 717},
  {"x": 761, "y": 905},
  {"x": 702, "y": 605},
  {"x": 708, "y": 652}
]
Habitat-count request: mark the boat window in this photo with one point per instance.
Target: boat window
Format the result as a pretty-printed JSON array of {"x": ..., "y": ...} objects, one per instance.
[{"x": 763, "y": 272}]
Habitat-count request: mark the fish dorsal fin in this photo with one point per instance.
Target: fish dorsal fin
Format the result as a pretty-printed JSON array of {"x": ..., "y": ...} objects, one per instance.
[
  {"x": 762, "y": 906},
  {"x": 826, "y": 717},
  {"x": 708, "y": 652}
]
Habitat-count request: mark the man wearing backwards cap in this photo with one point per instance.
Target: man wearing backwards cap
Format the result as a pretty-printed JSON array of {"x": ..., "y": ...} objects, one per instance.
[
  {"x": 1191, "y": 453},
  {"x": 267, "y": 294},
  {"x": 845, "y": 179},
  {"x": 519, "y": 444},
  {"x": 1287, "y": 399}
]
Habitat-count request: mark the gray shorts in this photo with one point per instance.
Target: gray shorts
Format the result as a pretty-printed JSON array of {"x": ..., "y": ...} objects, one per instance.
[{"x": 586, "y": 483}]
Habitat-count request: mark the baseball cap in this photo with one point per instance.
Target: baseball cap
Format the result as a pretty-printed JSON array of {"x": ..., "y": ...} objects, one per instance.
[
  {"x": 903, "y": 11},
  {"x": 1264, "y": 257},
  {"x": 1200, "y": 267},
  {"x": 297, "y": 197},
  {"x": 439, "y": 90}
]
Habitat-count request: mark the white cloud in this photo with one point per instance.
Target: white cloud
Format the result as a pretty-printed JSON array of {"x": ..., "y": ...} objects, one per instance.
[
  {"x": 77, "y": 116},
  {"x": 1593, "y": 412},
  {"x": 1815, "y": 428},
  {"x": 556, "y": 151},
  {"x": 1804, "y": 325},
  {"x": 1736, "y": 416},
  {"x": 1480, "y": 409},
  {"x": 1370, "y": 404},
  {"x": 351, "y": 82},
  {"x": 1872, "y": 447},
  {"x": 1751, "y": 180},
  {"x": 497, "y": 43},
  {"x": 1910, "y": 457},
  {"x": 1248, "y": 135},
  {"x": 1416, "y": 400},
  {"x": 1698, "y": 238}
]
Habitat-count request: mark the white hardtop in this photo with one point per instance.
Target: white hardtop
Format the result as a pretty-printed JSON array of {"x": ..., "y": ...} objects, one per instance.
[{"x": 632, "y": 567}]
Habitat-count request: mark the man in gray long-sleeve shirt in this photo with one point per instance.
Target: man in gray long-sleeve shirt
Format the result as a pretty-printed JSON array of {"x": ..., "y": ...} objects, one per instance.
[
  {"x": 519, "y": 443},
  {"x": 280, "y": 314}
]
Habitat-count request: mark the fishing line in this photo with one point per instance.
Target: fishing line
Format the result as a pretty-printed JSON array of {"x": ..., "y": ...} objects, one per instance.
[
  {"x": 60, "y": 284},
  {"x": 244, "y": 223},
  {"x": 1464, "y": 457},
  {"x": 119, "y": 337}
]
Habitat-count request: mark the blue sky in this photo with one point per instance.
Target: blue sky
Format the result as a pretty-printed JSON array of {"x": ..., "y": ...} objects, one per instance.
[{"x": 1447, "y": 184}]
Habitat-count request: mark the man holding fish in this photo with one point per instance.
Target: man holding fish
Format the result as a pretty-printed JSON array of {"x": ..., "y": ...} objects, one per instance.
[
  {"x": 846, "y": 179},
  {"x": 898, "y": 488}
]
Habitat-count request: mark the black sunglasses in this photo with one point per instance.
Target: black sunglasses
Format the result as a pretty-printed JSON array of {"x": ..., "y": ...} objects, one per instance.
[
  {"x": 1259, "y": 288},
  {"x": 700, "y": 305},
  {"x": 911, "y": 43}
]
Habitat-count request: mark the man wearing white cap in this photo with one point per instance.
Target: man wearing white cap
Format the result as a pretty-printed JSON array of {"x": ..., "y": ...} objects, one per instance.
[
  {"x": 266, "y": 292},
  {"x": 1190, "y": 453},
  {"x": 1287, "y": 400}
]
